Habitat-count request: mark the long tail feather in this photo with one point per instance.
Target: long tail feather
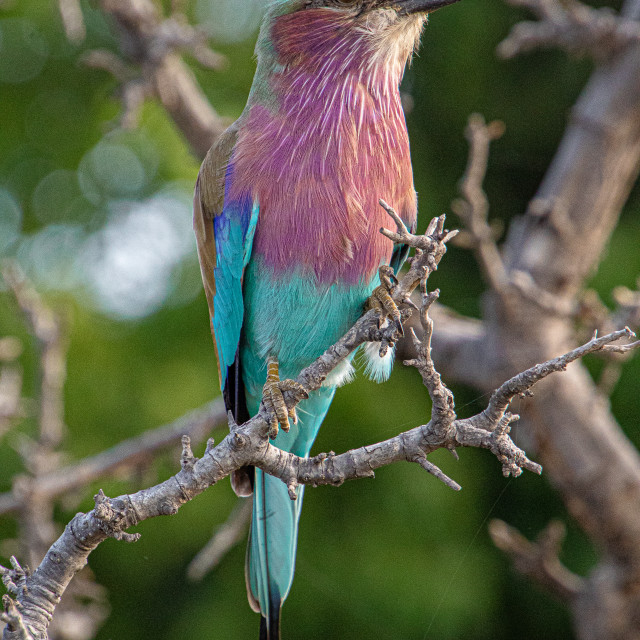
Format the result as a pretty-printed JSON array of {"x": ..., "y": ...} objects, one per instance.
[
  {"x": 272, "y": 547},
  {"x": 274, "y": 529}
]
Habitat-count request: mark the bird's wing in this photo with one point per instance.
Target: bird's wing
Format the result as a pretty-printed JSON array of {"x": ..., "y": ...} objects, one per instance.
[{"x": 224, "y": 231}]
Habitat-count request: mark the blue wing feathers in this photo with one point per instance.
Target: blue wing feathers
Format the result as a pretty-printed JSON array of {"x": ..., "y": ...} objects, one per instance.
[{"x": 233, "y": 229}]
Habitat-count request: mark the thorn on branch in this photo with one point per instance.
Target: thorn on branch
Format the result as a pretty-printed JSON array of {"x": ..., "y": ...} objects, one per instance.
[
  {"x": 187, "y": 459},
  {"x": 238, "y": 441},
  {"x": 233, "y": 425},
  {"x": 436, "y": 472}
]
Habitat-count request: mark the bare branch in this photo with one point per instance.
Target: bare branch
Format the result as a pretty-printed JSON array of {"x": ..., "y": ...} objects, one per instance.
[
  {"x": 72, "y": 20},
  {"x": 151, "y": 45},
  {"x": 197, "y": 425},
  {"x": 11, "y": 406},
  {"x": 473, "y": 208},
  {"x": 46, "y": 327},
  {"x": 248, "y": 444},
  {"x": 539, "y": 561},
  {"x": 227, "y": 536},
  {"x": 479, "y": 233},
  {"x": 573, "y": 26},
  {"x": 521, "y": 383}
]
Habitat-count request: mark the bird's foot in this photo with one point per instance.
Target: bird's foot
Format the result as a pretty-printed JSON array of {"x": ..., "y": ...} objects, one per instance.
[
  {"x": 274, "y": 402},
  {"x": 381, "y": 299}
]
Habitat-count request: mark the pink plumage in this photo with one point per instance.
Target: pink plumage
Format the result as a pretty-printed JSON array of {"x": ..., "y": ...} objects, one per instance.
[{"x": 320, "y": 158}]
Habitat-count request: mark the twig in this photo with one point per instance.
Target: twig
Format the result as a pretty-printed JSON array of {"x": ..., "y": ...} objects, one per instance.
[
  {"x": 596, "y": 316},
  {"x": 46, "y": 327},
  {"x": 473, "y": 210},
  {"x": 197, "y": 424},
  {"x": 72, "y": 20},
  {"x": 10, "y": 396},
  {"x": 153, "y": 67},
  {"x": 473, "y": 207},
  {"x": 227, "y": 536},
  {"x": 572, "y": 26},
  {"x": 520, "y": 383},
  {"x": 539, "y": 560}
]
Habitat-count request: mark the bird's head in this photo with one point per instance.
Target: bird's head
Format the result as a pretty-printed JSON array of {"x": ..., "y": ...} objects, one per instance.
[{"x": 312, "y": 31}]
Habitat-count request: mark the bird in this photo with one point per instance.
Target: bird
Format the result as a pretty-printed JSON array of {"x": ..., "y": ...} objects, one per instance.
[{"x": 287, "y": 220}]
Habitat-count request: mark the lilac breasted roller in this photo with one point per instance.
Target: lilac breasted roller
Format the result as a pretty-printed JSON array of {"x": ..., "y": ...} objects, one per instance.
[{"x": 287, "y": 221}]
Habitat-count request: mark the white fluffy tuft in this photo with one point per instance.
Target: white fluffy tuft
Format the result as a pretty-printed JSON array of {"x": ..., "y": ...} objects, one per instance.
[
  {"x": 342, "y": 374},
  {"x": 377, "y": 369}
]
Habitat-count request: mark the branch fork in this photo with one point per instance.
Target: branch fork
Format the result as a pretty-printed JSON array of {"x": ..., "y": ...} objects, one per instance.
[{"x": 248, "y": 444}]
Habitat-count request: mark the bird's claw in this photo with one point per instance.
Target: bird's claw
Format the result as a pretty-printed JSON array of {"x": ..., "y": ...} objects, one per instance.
[
  {"x": 382, "y": 301},
  {"x": 274, "y": 402}
]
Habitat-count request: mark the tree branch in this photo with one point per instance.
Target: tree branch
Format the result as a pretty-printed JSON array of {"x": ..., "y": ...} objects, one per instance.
[
  {"x": 38, "y": 594},
  {"x": 196, "y": 424},
  {"x": 150, "y": 43},
  {"x": 573, "y": 26},
  {"x": 540, "y": 560}
]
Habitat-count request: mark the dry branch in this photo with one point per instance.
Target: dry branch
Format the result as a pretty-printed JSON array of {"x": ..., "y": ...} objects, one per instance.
[
  {"x": 46, "y": 327},
  {"x": 38, "y": 594},
  {"x": 72, "y": 20},
  {"x": 572, "y": 26},
  {"x": 557, "y": 245},
  {"x": 540, "y": 560},
  {"x": 151, "y": 66},
  {"x": 569, "y": 223},
  {"x": 196, "y": 424},
  {"x": 473, "y": 207}
]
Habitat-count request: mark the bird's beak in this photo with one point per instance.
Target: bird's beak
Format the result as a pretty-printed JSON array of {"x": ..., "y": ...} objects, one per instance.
[{"x": 421, "y": 6}]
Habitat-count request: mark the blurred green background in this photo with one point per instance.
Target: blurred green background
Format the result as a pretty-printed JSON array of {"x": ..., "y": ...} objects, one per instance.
[{"x": 99, "y": 218}]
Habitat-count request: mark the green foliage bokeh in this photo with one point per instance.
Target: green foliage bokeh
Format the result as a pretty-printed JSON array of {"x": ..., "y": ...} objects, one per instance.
[{"x": 400, "y": 556}]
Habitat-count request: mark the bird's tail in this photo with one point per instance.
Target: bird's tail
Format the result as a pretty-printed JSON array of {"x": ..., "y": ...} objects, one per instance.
[
  {"x": 272, "y": 549},
  {"x": 274, "y": 529}
]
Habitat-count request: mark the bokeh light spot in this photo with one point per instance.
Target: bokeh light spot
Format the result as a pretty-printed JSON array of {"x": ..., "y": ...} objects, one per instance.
[
  {"x": 229, "y": 20},
  {"x": 128, "y": 264},
  {"x": 55, "y": 199},
  {"x": 111, "y": 170},
  {"x": 10, "y": 221},
  {"x": 47, "y": 256},
  {"x": 23, "y": 50}
]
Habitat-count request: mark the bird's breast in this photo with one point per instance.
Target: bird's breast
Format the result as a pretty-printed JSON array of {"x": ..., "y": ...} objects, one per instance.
[{"x": 318, "y": 166}]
